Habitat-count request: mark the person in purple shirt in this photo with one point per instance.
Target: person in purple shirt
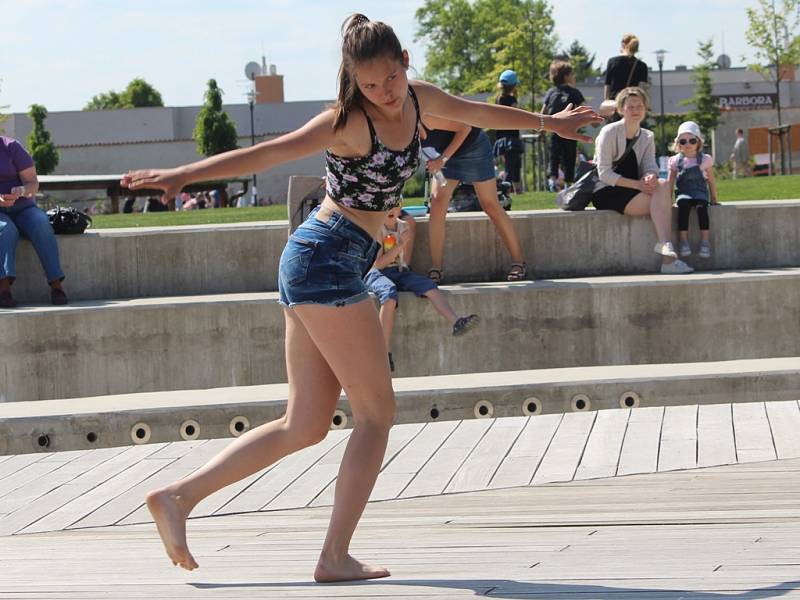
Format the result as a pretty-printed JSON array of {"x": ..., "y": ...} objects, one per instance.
[{"x": 19, "y": 216}]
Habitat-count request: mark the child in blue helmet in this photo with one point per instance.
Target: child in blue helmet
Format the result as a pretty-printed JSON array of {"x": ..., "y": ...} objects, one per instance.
[{"x": 508, "y": 144}]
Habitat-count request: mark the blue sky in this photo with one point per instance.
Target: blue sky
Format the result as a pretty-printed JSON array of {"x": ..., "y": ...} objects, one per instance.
[{"x": 62, "y": 52}]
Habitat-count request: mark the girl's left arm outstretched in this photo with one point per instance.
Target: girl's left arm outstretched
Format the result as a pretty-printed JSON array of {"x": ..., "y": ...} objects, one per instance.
[{"x": 438, "y": 103}]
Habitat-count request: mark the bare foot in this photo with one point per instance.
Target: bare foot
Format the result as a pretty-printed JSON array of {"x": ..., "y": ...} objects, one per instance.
[
  {"x": 170, "y": 520},
  {"x": 348, "y": 569}
]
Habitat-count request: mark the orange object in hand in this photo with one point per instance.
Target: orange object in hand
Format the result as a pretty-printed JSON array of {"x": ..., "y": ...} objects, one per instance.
[{"x": 389, "y": 242}]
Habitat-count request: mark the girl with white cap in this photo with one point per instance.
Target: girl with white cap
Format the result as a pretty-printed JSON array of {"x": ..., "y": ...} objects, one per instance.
[{"x": 691, "y": 172}]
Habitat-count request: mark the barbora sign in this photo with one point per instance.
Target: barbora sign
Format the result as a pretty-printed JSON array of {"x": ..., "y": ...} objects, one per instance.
[{"x": 747, "y": 101}]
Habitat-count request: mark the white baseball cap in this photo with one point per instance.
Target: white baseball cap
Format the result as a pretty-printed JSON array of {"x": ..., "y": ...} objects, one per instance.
[{"x": 692, "y": 128}]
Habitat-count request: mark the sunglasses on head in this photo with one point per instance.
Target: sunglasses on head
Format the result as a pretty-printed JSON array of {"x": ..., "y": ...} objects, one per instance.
[{"x": 685, "y": 141}]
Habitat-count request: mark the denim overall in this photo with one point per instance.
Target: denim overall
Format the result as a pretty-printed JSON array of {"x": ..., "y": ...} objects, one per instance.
[
  {"x": 691, "y": 183},
  {"x": 691, "y": 190}
]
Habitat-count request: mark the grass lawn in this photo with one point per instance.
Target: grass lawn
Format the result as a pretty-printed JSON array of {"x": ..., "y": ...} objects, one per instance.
[{"x": 753, "y": 188}]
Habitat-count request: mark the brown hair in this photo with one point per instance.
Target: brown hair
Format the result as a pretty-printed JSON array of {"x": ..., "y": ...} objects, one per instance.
[
  {"x": 505, "y": 90},
  {"x": 559, "y": 71},
  {"x": 632, "y": 91},
  {"x": 630, "y": 43},
  {"x": 362, "y": 40}
]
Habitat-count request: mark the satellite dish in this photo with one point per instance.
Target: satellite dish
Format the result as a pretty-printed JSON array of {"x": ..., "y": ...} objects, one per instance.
[
  {"x": 724, "y": 61},
  {"x": 252, "y": 70}
]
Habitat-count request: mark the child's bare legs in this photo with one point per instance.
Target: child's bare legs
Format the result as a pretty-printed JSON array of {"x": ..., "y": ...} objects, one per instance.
[
  {"x": 351, "y": 338},
  {"x": 441, "y": 305},
  {"x": 387, "y": 313}
]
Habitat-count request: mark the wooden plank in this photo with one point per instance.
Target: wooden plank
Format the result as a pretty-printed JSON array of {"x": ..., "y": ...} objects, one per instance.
[
  {"x": 715, "y": 441},
  {"x": 439, "y": 470},
  {"x": 189, "y": 462},
  {"x": 29, "y": 517},
  {"x": 678, "y": 438},
  {"x": 99, "y": 495},
  {"x": 399, "y": 437},
  {"x": 65, "y": 472},
  {"x": 601, "y": 456},
  {"x": 639, "y": 452},
  {"x": 753, "y": 434},
  {"x": 566, "y": 449},
  {"x": 261, "y": 492},
  {"x": 14, "y": 464},
  {"x": 527, "y": 452},
  {"x": 784, "y": 421},
  {"x": 315, "y": 479},
  {"x": 180, "y": 458},
  {"x": 484, "y": 460},
  {"x": 399, "y": 473}
]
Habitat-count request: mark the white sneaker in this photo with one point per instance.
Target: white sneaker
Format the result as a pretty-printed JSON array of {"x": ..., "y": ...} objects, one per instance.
[
  {"x": 705, "y": 249},
  {"x": 685, "y": 249},
  {"x": 665, "y": 249},
  {"x": 676, "y": 267}
]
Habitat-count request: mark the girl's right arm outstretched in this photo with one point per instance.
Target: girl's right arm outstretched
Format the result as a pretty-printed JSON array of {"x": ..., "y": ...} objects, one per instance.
[{"x": 313, "y": 137}]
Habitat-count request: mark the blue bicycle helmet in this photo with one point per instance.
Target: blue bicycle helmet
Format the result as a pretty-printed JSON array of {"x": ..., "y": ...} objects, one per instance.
[{"x": 509, "y": 77}]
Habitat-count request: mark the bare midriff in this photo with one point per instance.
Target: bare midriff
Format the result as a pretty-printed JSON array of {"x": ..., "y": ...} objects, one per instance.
[{"x": 368, "y": 220}]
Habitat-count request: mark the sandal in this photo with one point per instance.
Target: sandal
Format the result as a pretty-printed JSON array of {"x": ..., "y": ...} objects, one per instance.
[
  {"x": 437, "y": 275},
  {"x": 518, "y": 271}
]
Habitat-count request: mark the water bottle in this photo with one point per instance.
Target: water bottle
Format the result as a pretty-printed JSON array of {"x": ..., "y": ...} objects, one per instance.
[{"x": 431, "y": 154}]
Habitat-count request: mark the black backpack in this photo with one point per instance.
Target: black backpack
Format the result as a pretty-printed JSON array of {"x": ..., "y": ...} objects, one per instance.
[
  {"x": 558, "y": 101},
  {"x": 68, "y": 221}
]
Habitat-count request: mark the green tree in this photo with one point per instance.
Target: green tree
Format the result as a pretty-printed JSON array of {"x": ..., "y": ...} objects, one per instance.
[
  {"x": 772, "y": 33},
  {"x": 706, "y": 109},
  {"x": 468, "y": 44},
  {"x": 104, "y": 101},
  {"x": 138, "y": 93},
  {"x": 214, "y": 131},
  {"x": 42, "y": 149},
  {"x": 582, "y": 61}
]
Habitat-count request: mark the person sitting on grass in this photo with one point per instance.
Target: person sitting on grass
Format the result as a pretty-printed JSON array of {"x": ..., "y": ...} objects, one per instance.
[{"x": 391, "y": 274}]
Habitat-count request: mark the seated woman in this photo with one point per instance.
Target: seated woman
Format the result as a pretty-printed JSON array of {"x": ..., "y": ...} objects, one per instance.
[
  {"x": 629, "y": 181},
  {"x": 20, "y": 215}
]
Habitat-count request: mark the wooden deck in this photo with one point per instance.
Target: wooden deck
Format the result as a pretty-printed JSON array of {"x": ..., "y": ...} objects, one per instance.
[{"x": 461, "y": 509}]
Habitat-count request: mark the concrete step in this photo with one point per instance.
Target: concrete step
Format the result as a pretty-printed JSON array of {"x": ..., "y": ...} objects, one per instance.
[
  {"x": 243, "y": 257},
  {"x": 200, "y": 342},
  {"x": 81, "y": 423}
]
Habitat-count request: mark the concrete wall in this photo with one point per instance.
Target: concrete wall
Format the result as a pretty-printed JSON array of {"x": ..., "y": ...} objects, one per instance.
[
  {"x": 113, "y": 347},
  {"x": 130, "y": 263}
]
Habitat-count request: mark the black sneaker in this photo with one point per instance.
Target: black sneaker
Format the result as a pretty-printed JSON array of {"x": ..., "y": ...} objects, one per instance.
[
  {"x": 58, "y": 297},
  {"x": 464, "y": 324},
  {"x": 391, "y": 363},
  {"x": 7, "y": 300}
]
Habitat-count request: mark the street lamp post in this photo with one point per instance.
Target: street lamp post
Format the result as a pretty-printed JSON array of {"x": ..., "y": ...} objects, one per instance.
[
  {"x": 660, "y": 58},
  {"x": 251, "y": 100}
]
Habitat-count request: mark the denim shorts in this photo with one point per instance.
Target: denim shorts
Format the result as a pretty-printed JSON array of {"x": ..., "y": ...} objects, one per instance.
[
  {"x": 386, "y": 283},
  {"x": 472, "y": 163},
  {"x": 325, "y": 263}
]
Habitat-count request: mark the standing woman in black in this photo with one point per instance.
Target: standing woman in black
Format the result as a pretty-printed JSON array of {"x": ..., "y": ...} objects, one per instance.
[{"x": 625, "y": 70}]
